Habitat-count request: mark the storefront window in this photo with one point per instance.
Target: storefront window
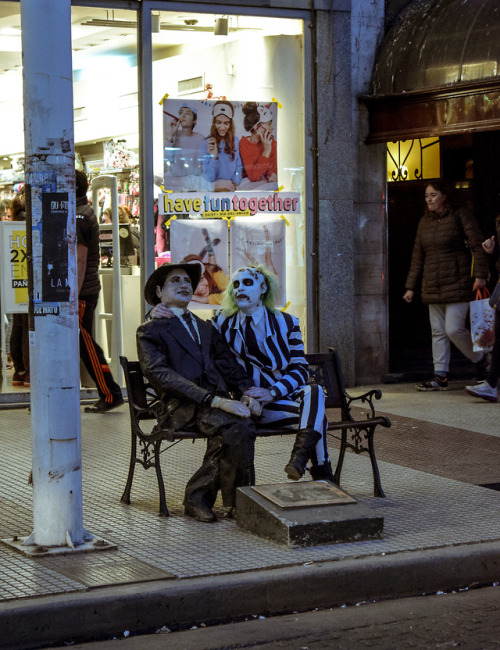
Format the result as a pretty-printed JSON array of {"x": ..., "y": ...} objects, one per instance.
[
  {"x": 256, "y": 214},
  {"x": 228, "y": 134}
]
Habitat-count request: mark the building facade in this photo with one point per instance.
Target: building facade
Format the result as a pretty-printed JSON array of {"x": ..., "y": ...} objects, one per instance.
[{"x": 320, "y": 66}]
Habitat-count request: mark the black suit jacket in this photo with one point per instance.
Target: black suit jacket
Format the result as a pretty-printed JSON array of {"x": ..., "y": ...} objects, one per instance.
[{"x": 181, "y": 372}]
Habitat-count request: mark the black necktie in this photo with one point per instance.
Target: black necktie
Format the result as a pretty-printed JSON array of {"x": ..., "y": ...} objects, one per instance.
[
  {"x": 192, "y": 330},
  {"x": 251, "y": 342}
]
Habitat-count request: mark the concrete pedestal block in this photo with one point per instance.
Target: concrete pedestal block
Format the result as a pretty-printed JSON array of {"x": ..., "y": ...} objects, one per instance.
[{"x": 310, "y": 525}]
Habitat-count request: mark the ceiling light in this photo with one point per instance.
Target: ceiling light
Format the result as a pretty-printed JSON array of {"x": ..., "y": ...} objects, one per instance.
[{"x": 221, "y": 27}]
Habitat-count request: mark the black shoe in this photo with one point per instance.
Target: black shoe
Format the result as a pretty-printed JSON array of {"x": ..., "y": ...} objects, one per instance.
[
  {"x": 322, "y": 473},
  {"x": 296, "y": 468},
  {"x": 437, "y": 383},
  {"x": 305, "y": 440},
  {"x": 101, "y": 406},
  {"x": 200, "y": 513}
]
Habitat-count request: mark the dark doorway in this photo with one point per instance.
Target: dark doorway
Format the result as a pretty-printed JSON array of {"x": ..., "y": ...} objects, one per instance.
[{"x": 473, "y": 163}]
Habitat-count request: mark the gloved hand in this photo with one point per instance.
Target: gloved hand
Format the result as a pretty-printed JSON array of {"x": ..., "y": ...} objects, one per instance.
[
  {"x": 230, "y": 406},
  {"x": 254, "y": 406}
]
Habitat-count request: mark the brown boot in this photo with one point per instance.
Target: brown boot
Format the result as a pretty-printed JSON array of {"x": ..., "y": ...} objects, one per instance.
[{"x": 305, "y": 440}]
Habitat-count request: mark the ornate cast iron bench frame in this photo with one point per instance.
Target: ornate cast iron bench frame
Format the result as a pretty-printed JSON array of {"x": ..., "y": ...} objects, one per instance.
[{"x": 325, "y": 369}]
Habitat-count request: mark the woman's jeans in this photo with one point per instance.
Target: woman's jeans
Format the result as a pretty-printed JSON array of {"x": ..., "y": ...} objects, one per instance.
[{"x": 448, "y": 325}]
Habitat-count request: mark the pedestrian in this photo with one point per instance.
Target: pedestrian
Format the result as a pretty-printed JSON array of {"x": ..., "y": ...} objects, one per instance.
[
  {"x": 488, "y": 389},
  {"x": 441, "y": 259}
]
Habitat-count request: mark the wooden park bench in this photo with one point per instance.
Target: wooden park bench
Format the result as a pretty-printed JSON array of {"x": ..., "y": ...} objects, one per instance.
[{"x": 148, "y": 442}]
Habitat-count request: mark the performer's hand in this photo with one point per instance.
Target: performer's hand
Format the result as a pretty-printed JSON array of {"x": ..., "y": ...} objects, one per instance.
[
  {"x": 160, "y": 311},
  {"x": 254, "y": 406},
  {"x": 479, "y": 283},
  {"x": 231, "y": 406},
  {"x": 408, "y": 296},
  {"x": 260, "y": 394}
]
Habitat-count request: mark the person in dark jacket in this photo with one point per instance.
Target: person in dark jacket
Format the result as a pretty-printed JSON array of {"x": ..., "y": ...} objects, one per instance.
[
  {"x": 192, "y": 369},
  {"x": 89, "y": 285},
  {"x": 441, "y": 260},
  {"x": 487, "y": 389}
]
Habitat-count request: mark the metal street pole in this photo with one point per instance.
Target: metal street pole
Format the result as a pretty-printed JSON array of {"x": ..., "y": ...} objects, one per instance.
[{"x": 50, "y": 206}]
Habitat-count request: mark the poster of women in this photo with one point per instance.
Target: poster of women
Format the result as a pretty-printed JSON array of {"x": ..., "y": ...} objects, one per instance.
[
  {"x": 219, "y": 145},
  {"x": 260, "y": 241},
  {"x": 206, "y": 241}
]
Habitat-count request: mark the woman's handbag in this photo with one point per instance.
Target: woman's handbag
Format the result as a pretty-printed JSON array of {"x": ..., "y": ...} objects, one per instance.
[
  {"x": 495, "y": 296},
  {"x": 482, "y": 322}
]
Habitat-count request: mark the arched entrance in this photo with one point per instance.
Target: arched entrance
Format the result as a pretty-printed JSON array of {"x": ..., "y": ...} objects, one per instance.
[{"x": 437, "y": 74}]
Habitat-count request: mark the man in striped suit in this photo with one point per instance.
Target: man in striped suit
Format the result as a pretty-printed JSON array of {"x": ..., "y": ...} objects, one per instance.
[{"x": 268, "y": 343}]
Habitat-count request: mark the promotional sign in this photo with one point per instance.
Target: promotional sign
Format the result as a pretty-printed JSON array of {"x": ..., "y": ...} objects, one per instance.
[
  {"x": 14, "y": 267},
  {"x": 205, "y": 241},
  {"x": 224, "y": 205},
  {"x": 221, "y": 196}
]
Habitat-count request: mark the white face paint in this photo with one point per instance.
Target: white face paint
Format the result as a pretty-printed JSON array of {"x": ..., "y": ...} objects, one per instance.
[
  {"x": 177, "y": 290},
  {"x": 249, "y": 288}
]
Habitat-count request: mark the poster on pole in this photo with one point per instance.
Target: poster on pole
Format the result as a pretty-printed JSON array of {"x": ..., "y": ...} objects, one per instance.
[{"x": 14, "y": 267}]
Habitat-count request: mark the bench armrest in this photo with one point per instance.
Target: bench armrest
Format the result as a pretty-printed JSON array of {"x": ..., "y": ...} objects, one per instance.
[{"x": 365, "y": 398}]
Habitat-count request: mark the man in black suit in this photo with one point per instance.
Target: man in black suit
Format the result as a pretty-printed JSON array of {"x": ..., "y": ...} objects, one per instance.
[{"x": 191, "y": 367}]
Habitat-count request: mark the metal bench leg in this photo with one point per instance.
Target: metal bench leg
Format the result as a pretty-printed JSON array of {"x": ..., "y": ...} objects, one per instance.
[
  {"x": 161, "y": 487},
  {"x": 133, "y": 454},
  {"x": 377, "y": 486},
  {"x": 340, "y": 462}
]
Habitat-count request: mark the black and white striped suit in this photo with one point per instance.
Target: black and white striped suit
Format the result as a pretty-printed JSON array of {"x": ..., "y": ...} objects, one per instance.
[{"x": 280, "y": 364}]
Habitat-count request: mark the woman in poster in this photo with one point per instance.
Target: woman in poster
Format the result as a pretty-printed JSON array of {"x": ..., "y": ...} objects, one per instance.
[
  {"x": 182, "y": 160},
  {"x": 221, "y": 160},
  {"x": 213, "y": 281},
  {"x": 258, "y": 150}
]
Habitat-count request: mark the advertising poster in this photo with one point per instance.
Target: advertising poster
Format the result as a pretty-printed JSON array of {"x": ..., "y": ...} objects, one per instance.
[
  {"x": 204, "y": 240},
  {"x": 219, "y": 146},
  {"x": 260, "y": 241},
  {"x": 14, "y": 267}
]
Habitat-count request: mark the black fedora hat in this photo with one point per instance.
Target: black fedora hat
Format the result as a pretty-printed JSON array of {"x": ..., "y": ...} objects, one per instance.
[{"x": 158, "y": 277}]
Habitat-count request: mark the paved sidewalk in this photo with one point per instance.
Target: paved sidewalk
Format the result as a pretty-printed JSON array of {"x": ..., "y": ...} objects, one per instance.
[{"x": 441, "y": 529}]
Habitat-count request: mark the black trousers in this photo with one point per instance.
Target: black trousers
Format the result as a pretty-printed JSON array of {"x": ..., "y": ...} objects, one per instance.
[
  {"x": 229, "y": 459},
  {"x": 19, "y": 343},
  {"x": 92, "y": 355}
]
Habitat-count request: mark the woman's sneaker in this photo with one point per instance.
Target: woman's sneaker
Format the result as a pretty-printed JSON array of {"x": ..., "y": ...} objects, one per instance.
[
  {"x": 484, "y": 391},
  {"x": 436, "y": 383}
]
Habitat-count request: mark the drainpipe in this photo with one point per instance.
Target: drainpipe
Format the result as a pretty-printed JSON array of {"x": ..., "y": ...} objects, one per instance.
[{"x": 50, "y": 212}]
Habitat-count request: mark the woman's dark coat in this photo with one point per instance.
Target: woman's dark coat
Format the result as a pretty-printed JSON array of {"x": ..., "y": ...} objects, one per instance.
[{"x": 443, "y": 261}]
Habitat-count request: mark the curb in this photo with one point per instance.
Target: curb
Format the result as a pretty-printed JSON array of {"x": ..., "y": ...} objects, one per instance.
[{"x": 177, "y": 604}]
